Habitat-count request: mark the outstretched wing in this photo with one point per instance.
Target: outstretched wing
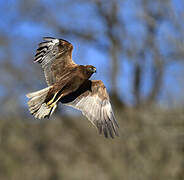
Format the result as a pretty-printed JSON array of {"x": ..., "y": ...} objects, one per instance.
[
  {"x": 55, "y": 56},
  {"x": 93, "y": 100}
]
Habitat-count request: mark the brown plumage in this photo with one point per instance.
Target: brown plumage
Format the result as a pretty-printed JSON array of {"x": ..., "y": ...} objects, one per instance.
[{"x": 69, "y": 84}]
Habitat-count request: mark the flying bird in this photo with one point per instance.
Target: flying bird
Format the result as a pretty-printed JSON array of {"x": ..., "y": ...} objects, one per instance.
[{"x": 69, "y": 84}]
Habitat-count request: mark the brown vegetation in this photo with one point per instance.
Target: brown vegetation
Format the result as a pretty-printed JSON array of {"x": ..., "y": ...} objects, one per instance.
[{"x": 151, "y": 142}]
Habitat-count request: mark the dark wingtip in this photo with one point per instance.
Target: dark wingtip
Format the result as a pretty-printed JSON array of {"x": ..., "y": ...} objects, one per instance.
[
  {"x": 114, "y": 120},
  {"x": 109, "y": 125},
  {"x": 108, "y": 129},
  {"x": 105, "y": 131}
]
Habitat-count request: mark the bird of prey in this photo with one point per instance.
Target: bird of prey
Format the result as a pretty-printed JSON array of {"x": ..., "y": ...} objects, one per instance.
[{"x": 69, "y": 84}]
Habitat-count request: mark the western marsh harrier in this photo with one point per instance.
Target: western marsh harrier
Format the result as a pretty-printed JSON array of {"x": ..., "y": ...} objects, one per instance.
[{"x": 69, "y": 84}]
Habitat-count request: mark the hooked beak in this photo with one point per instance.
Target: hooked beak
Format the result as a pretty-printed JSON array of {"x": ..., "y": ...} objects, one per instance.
[{"x": 94, "y": 70}]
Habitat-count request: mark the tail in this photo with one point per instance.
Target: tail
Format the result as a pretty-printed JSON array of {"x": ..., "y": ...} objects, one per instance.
[{"x": 37, "y": 105}]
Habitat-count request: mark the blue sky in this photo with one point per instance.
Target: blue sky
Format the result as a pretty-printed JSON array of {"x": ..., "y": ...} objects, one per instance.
[{"x": 25, "y": 33}]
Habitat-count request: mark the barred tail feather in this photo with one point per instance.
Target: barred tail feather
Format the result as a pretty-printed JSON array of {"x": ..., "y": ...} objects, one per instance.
[
  {"x": 37, "y": 106},
  {"x": 37, "y": 93}
]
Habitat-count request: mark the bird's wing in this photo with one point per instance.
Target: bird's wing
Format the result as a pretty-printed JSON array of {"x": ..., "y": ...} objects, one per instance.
[
  {"x": 93, "y": 101},
  {"x": 55, "y": 56}
]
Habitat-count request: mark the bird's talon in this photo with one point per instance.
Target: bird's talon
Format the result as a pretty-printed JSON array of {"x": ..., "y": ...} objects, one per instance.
[
  {"x": 51, "y": 105},
  {"x": 51, "y": 101}
]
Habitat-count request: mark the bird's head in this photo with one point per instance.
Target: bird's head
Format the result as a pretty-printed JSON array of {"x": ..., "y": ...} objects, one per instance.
[{"x": 91, "y": 69}]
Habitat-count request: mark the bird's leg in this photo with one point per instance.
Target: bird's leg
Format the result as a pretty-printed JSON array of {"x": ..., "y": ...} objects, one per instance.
[
  {"x": 51, "y": 101},
  {"x": 55, "y": 102}
]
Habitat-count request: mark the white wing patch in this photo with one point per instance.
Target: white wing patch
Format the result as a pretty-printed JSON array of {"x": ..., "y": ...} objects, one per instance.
[{"x": 99, "y": 113}]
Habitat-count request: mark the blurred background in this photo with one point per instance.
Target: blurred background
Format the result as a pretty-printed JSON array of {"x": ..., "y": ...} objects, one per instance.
[{"x": 138, "y": 49}]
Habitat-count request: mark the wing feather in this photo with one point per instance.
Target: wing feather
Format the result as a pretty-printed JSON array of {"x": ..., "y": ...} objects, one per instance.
[
  {"x": 94, "y": 103},
  {"x": 55, "y": 56}
]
